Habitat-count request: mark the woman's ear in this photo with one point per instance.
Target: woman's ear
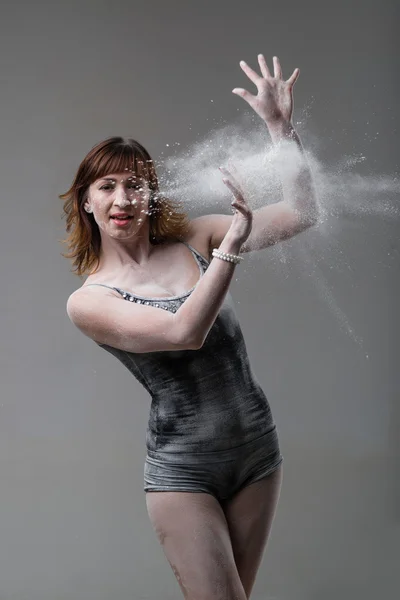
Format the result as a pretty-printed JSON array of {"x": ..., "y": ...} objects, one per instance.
[{"x": 86, "y": 205}]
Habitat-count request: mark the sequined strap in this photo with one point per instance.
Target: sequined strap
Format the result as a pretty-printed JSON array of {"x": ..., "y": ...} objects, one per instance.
[{"x": 166, "y": 304}]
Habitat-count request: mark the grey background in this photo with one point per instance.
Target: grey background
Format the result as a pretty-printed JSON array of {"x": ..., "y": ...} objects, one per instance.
[{"x": 73, "y": 522}]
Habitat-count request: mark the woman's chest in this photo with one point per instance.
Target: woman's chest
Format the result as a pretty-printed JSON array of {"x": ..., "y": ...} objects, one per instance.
[
  {"x": 174, "y": 281},
  {"x": 169, "y": 274}
]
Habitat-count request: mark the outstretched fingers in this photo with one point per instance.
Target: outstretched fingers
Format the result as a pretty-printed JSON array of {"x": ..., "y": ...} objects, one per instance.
[
  {"x": 277, "y": 68},
  {"x": 251, "y": 74},
  {"x": 263, "y": 66},
  {"x": 294, "y": 77},
  {"x": 265, "y": 72},
  {"x": 232, "y": 168},
  {"x": 232, "y": 172},
  {"x": 229, "y": 178},
  {"x": 239, "y": 202},
  {"x": 244, "y": 94}
]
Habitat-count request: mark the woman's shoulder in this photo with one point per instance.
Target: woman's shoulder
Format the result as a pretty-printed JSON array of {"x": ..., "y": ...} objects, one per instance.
[
  {"x": 92, "y": 285},
  {"x": 82, "y": 300}
]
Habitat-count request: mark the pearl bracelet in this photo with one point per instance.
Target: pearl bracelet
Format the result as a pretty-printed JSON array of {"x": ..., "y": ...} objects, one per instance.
[{"x": 225, "y": 256}]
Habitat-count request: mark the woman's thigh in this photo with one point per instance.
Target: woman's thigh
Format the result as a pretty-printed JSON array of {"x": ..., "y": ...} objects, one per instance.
[
  {"x": 194, "y": 535},
  {"x": 250, "y": 514}
]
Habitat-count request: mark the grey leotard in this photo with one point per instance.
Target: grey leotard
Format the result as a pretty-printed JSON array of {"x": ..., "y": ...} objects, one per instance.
[{"x": 202, "y": 400}]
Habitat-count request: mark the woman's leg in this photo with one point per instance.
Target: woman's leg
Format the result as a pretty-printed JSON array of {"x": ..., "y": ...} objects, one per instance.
[
  {"x": 194, "y": 535},
  {"x": 249, "y": 515}
]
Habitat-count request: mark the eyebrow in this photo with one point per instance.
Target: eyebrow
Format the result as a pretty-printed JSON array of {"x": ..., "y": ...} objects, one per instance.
[{"x": 114, "y": 179}]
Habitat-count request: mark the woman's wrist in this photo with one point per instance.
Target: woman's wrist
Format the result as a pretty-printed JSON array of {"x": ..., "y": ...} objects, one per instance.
[
  {"x": 280, "y": 130},
  {"x": 230, "y": 246}
]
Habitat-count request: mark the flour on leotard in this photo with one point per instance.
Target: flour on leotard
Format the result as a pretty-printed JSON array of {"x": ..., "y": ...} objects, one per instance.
[{"x": 201, "y": 400}]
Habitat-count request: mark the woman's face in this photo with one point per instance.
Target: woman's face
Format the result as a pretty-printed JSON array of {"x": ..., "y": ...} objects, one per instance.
[{"x": 119, "y": 203}]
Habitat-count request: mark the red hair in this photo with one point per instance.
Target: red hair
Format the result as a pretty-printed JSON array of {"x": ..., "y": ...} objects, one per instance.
[{"x": 115, "y": 155}]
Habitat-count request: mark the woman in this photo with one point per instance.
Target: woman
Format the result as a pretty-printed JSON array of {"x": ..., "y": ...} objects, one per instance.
[{"x": 213, "y": 465}]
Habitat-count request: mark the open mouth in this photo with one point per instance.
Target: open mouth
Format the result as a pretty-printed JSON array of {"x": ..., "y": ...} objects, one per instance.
[{"x": 122, "y": 220}]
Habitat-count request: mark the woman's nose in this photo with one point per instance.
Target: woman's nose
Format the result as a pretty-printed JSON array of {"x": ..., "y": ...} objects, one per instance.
[{"x": 121, "y": 197}]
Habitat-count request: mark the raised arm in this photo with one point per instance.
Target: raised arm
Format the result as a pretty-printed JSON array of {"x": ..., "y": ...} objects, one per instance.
[
  {"x": 110, "y": 320},
  {"x": 299, "y": 208}
]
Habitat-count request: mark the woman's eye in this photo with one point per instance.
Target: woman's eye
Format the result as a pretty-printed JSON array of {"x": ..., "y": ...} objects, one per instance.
[{"x": 132, "y": 186}]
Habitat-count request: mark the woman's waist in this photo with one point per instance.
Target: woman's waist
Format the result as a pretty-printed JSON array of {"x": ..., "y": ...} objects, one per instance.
[
  {"x": 210, "y": 442},
  {"x": 211, "y": 426}
]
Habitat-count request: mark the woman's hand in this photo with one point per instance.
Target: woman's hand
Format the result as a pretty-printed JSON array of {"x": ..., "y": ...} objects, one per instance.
[
  {"x": 243, "y": 215},
  {"x": 274, "y": 100}
]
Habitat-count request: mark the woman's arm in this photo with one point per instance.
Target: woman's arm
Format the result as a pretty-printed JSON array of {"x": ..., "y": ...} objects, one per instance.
[
  {"x": 299, "y": 208},
  {"x": 110, "y": 320}
]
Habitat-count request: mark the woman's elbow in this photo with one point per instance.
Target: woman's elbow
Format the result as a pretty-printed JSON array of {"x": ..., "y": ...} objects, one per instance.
[
  {"x": 194, "y": 343},
  {"x": 188, "y": 340}
]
